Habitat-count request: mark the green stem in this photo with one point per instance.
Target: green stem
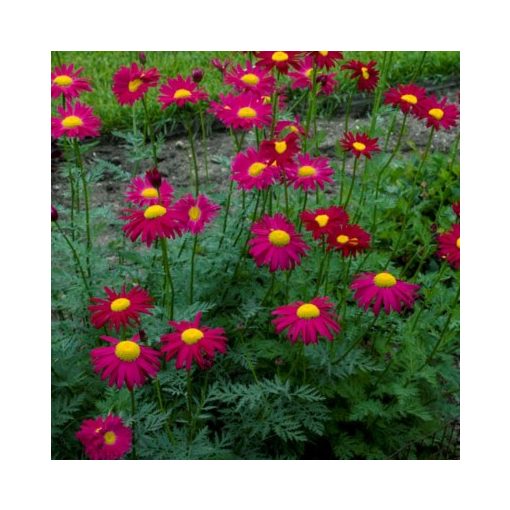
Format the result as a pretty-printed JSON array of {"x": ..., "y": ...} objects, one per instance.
[
  {"x": 270, "y": 289},
  {"x": 192, "y": 278},
  {"x": 79, "y": 162},
  {"x": 190, "y": 406},
  {"x": 300, "y": 223},
  {"x": 227, "y": 209},
  {"x": 193, "y": 155},
  {"x": 133, "y": 426},
  {"x": 358, "y": 340},
  {"x": 76, "y": 259},
  {"x": 353, "y": 178},
  {"x": 204, "y": 144},
  {"x": 73, "y": 198},
  {"x": 157, "y": 386},
  {"x": 150, "y": 128},
  {"x": 169, "y": 285},
  {"x": 348, "y": 111},
  {"x": 381, "y": 85},
  {"x": 312, "y": 94}
]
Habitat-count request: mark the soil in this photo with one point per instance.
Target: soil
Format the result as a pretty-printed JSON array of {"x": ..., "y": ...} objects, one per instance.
[{"x": 175, "y": 156}]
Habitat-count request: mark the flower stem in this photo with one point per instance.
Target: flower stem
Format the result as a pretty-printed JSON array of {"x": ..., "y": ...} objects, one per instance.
[
  {"x": 193, "y": 155},
  {"x": 149, "y": 127},
  {"x": 312, "y": 95},
  {"x": 79, "y": 162},
  {"x": 300, "y": 223},
  {"x": 353, "y": 178},
  {"x": 348, "y": 111},
  {"x": 358, "y": 340},
  {"x": 192, "y": 278},
  {"x": 227, "y": 209},
  {"x": 204, "y": 144},
  {"x": 270, "y": 289},
  {"x": 157, "y": 386},
  {"x": 190, "y": 405},
  {"x": 133, "y": 412},
  {"x": 169, "y": 285}
]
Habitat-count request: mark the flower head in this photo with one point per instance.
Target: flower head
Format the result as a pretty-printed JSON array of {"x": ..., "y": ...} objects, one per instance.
[
  {"x": 120, "y": 308},
  {"x": 302, "y": 76},
  {"x": 327, "y": 82},
  {"x": 309, "y": 173},
  {"x": 131, "y": 83},
  {"x": 307, "y": 321},
  {"x": 66, "y": 81},
  {"x": 276, "y": 243},
  {"x": 153, "y": 222},
  {"x": 125, "y": 362},
  {"x": 75, "y": 121},
  {"x": 326, "y": 59},
  {"x": 154, "y": 177},
  {"x": 142, "y": 192},
  {"x": 322, "y": 221},
  {"x": 222, "y": 66},
  {"x": 456, "y": 208},
  {"x": 180, "y": 91},
  {"x": 195, "y": 213},
  {"x": 281, "y": 150},
  {"x": 438, "y": 114},
  {"x": 192, "y": 342},
  {"x": 383, "y": 290},
  {"x": 406, "y": 97},
  {"x": 281, "y": 60},
  {"x": 243, "y": 111},
  {"x": 250, "y": 79},
  {"x": 105, "y": 438},
  {"x": 251, "y": 169},
  {"x": 359, "y": 144},
  {"x": 349, "y": 239},
  {"x": 449, "y": 246},
  {"x": 284, "y": 127},
  {"x": 367, "y": 74}
]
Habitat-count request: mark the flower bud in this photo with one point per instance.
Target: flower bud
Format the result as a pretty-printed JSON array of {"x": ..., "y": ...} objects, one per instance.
[
  {"x": 54, "y": 214},
  {"x": 142, "y": 57},
  {"x": 154, "y": 177},
  {"x": 221, "y": 66},
  {"x": 197, "y": 75},
  {"x": 143, "y": 335}
]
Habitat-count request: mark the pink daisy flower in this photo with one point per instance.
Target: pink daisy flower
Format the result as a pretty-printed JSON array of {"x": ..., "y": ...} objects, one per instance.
[
  {"x": 349, "y": 239},
  {"x": 383, "y": 290},
  {"x": 180, "y": 91},
  {"x": 250, "y": 79},
  {"x": 322, "y": 221},
  {"x": 66, "y": 81},
  {"x": 309, "y": 173},
  {"x": 125, "y": 362},
  {"x": 276, "y": 243},
  {"x": 280, "y": 60},
  {"x": 438, "y": 114},
  {"x": 367, "y": 74},
  {"x": 406, "y": 97},
  {"x": 327, "y": 59},
  {"x": 359, "y": 144},
  {"x": 131, "y": 83},
  {"x": 192, "y": 342},
  {"x": 327, "y": 83},
  {"x": 151, "y": 223},
  {"x": 120, "y": 308},
  {"x": 142, "y": 192},
  {"x": 456, "y": 208},
  {"x": 105, "y": 438},
  {"x": 195, "y": 213},
  {"x": 281, "y": 150},
  {"x": 302, "y": 77},
  {"x": 243, "y": 111},
  {"x": 75, "y": 121},
  {"x": 284, "y": 127},
  {"x": 307, "y": 321},
  {"x": 449, "y": 246},
  {"x": 251, "y": 169}
]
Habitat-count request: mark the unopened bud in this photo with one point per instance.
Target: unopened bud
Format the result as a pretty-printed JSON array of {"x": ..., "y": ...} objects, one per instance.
[
  {"x": 154, "y": 177},
  {"x": 142, "y": 57},
  {"x": 197, "y": 75},
  {"x": 54, "y": 214}
]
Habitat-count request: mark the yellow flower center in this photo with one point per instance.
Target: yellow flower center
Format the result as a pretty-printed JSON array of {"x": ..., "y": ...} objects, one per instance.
[
  {"x": 308, "y": 72},
  {"x": 308, "y": 311},
  {"x": 72, "y": 121},
  {"x": 294, "y": 129},
  {"x": 256, "y": 169},
  {"x": 342, "y": 239},
  {"x": 194, "y": 213},
  {"x": 127, "y": 350},
  {"x": 324, "y": 53},
  {"x": 134, "y": 85},
  {"x": 266, "y": 99},
  {"x": 120, "y": 304},
  {"x": 279, "y": 238},
  {"x": 154, "y": 211},
  {"x": 322, "y": 220},
  {"x": 365, "y": 73},
  {"x": 246, "y": 113},
  {"x": 250, "y": 79},
  {"x": 437, "y": 113},
  {"x": 280, "y": 147},
  {"x": 457, "y": 243},
  {"x": 385, "y": 280},
  {"x": 191, "y": 336},
  {"x": 359, "y": 146},
  {"x": 280, "y": 56},
  {"x": 110, "y": 438},
  {"x": 181, "y": 93},
  {"x": 409, "y": 98},
  {"x": 306, "y": 171},
  {"x": 63, "y": 80},
  {"x": 150, "y": 193}
]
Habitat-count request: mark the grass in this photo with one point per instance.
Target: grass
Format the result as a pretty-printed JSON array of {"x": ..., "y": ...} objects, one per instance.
[{"x": 100, "y": 66}]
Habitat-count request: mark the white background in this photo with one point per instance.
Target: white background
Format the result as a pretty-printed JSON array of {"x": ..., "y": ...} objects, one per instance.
[{"x": 29, "y": 31}]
